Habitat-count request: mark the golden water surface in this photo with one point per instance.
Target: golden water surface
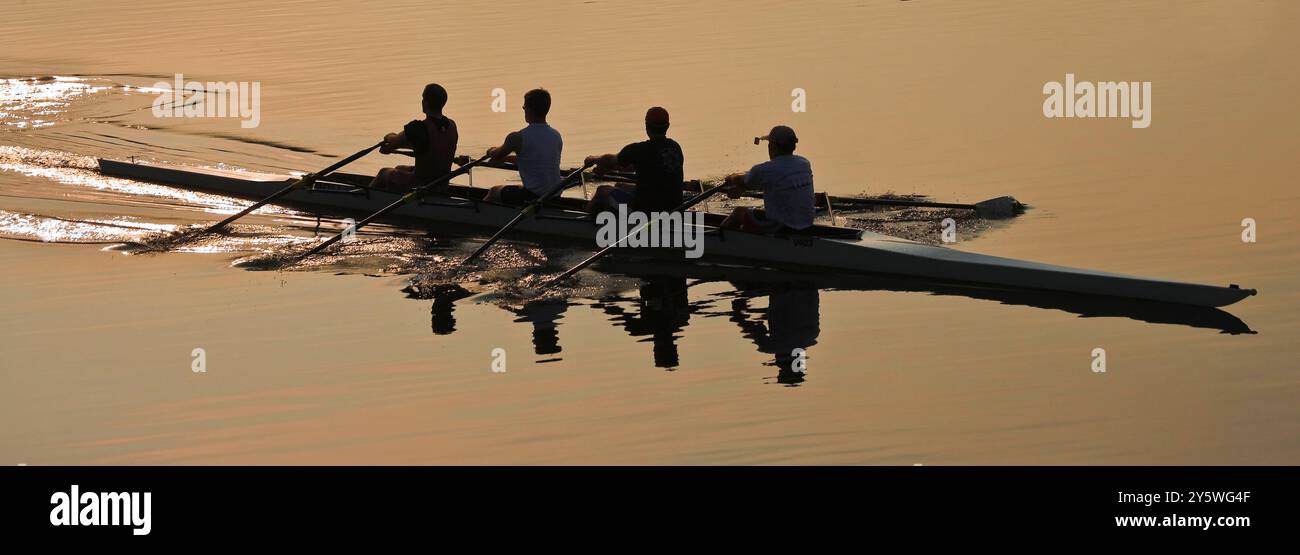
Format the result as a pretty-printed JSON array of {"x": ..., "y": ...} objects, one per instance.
[{"x": 936, "y": 98}]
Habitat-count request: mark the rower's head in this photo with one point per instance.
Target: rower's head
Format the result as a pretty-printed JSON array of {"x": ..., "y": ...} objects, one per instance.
[
  {"x": 656, "y": 122},
  {"x": 537, "y": 103},
  {"x": 435, "y": 98},
  {"x": 781, "y": 141}
]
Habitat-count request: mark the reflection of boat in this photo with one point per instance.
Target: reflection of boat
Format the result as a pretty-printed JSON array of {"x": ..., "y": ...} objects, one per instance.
[
  {"x": 823, "y": 248},
  {"x": 1086, "y": 306}
]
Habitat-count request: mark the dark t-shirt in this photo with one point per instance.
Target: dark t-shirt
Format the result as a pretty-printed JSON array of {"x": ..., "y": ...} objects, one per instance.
[
  {"x": 434, "y": 143},
  {"x": 658, "y": 164}
]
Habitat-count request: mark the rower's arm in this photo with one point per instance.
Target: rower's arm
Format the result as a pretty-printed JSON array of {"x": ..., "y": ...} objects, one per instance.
[
  {"x": 394, "y": 141},
  {"x": 503, "y": 153},
  {"x": 607, "y": 162},
  {"x": 736, "y": 184}
]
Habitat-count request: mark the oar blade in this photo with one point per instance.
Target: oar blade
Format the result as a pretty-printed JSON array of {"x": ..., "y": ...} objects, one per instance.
[{"x": 1001, "y": 207}]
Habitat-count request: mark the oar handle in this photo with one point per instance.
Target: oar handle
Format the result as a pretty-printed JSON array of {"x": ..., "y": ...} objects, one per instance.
[
  {"x": 350, "y": 159},
  {"x": 700, "y": 197},
  {"x": 565, "y": 182},
  {"x": 622, "y": 177}
]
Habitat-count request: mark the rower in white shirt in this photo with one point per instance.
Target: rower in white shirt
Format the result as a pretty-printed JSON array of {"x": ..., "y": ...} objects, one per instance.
[
  {"x": 787, "y": 184},
  {"x": 535, "y": 149}
]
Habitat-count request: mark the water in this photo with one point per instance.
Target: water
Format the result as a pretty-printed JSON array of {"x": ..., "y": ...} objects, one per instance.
[{"x": 335, "y": 364}]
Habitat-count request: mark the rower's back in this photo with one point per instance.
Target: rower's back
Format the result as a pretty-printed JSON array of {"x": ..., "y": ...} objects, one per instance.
[
  {"x": 538, "y": 157},
  {"x": 787, "y": 184},
  {"x": 433, "y": 141},
  {"x": 658, "y": 164}
]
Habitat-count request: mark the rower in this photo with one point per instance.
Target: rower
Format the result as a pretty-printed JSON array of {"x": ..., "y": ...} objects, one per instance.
[
  {"x": 432, "y": 139},
  {"x": 535, "y": 149},
  {"x": 787, "y": 184},
  {"x": 658, "y": 166}
]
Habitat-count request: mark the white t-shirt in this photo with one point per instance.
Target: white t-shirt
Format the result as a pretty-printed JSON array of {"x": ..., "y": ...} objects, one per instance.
[{"x": 787, "y": 185}]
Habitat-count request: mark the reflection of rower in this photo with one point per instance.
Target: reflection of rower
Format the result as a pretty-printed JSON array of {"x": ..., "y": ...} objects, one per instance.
[
  {"x": 664, "y": 310},
  {"x": 1083, "y": 305},
  {"x": 544, "y": 315},
  {"x": 792, "y": 321},
  {"x": 443, "y": 320}
]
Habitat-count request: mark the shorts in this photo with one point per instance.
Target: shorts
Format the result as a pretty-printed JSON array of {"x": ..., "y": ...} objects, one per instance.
[
  {"x": 517, "y": 195},
  {"x": 754, "y": 220},
  {"x": 402, "y": 179},
  {"x": 619, "y": 196},
  {"x": 399, "y": 179}
]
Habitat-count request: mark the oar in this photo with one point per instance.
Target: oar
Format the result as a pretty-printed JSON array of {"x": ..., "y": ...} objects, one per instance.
[
  {"x": 414, "y": 194},
  {"x": 529, "y": 210},
  {"x": 621, "y": 177},
  {"x": 602, "y": 252},
  {"x": 1000, "y": 207},
  {"x": 300, "y": 182}
]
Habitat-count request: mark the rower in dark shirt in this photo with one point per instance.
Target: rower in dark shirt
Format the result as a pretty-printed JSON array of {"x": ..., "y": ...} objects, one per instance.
[
  {"x": 433, "y": 141},
  {"x": 658, "y": 165}
]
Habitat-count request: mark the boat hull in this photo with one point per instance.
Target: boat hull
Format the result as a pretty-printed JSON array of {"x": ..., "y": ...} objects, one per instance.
[{"x": 859, "y": 251}]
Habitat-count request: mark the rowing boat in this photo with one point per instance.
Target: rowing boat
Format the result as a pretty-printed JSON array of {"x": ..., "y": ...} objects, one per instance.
[{"x": 821, "y": 247}]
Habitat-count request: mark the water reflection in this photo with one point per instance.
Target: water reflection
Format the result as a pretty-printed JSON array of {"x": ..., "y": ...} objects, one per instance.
[
  {"x": 444, "y": 307},
  {"x": 786, "y": 329},
  {"x": 544, "y": 315},
  {"x": 1084, "y": 306},
  {"x": 661, "y": 310},
  {"x": 789, "y": 323}
]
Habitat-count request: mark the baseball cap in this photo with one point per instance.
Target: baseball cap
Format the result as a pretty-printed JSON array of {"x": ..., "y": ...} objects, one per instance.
[{"x": 781, "y": 134}]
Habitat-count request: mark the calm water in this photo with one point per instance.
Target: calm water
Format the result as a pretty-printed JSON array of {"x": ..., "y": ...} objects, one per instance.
[{"x": 337, "y": 365}]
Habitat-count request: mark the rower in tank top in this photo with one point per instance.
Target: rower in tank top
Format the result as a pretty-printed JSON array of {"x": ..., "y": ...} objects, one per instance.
[
  {"x": 535, "y": 149},
  {"x": 433, "y": 141}
]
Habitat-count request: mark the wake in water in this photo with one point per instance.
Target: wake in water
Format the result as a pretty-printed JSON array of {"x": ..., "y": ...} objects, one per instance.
[
  {"x": 163, "y": 242},
  {"x": 508, "y": 272},
  {"x": 917, "y": 224},
  {"x": 41, "y": 102},
  {"x": 51, "y": 229}
]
